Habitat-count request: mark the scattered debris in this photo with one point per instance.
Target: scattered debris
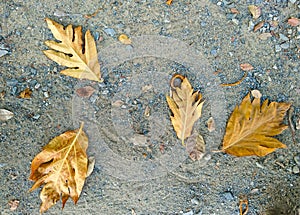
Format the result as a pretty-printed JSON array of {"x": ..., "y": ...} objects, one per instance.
[
  {"x": 294, "y": 21},
  {"x": 117, "y": 103},
  {"x": 123, "y": 38},
  {"x": 169, "y": 2},
  {"x": 255, "y": 11},
  {"x": 258, "y": 26},
  {"x": 25, "y": 94},
  {"x": 243, "y": 205},
  {"x": 139, "y": 140},
  {"x": 264, "y": 36},
  {"x": 13, "y": 204},
  {"x": 234, "y": 11},
  {"x": 246, "y": 67},
  {"x": 85, "y": 92},
  {"x": 235, "y": 83},
  {"x": 211, "y": 124}
]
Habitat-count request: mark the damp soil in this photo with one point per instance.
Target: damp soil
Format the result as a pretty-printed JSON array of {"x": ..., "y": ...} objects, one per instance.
[{"x": 141, "y": 167}]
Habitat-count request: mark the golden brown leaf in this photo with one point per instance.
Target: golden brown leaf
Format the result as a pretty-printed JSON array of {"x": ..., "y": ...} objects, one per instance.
[
  {"x": 251, "y": 126},
  {"x": 195, "y": 146},
  {"x": 255, "y": 11},
  {"x": 186, "y": 106},
  {"x": 294, "y": 21},
  {"x": 80, "y": 56},
  {"x": 62, "y": 167}
]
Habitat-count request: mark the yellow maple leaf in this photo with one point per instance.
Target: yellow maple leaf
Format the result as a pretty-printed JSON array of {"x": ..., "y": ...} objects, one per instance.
[
  {"x": 73, "y": 52},
  {"x": 186, "y": 106},
  {"x": 62, "y": 166},
  {"x": 251, "y": 126}
]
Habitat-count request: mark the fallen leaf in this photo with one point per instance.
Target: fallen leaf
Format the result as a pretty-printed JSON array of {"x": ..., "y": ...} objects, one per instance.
[
  {"x": 256, "y": 94},
  {"x": 73, "y": 52},
  {"x": 294, "y": 21},
  {"x": 246, "y": 67},
  {"x": 169, "y": 2},
  {"x": 255, "y": 11},
  {"x": 25, "y": 94},
  {"x": 264, "y": 36},
  {"x": 258, "y": 26},
  {"x": 234, "y": 11},
  {"x": 185, "y": 104},
  {"x": 211, "y": 124},
  {"x": 251, "y": 126},
  {"x": 61, "y": 167},
  {"x": 5, "y": 114},
  {"x": 123, "y": 38},
  {"x": 85, "y": 92},
  {"x": 195, "y": 146},
  {"x": 13, "y": 204}
]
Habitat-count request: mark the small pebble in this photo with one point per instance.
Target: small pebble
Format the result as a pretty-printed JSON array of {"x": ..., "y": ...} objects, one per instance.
[
  {"x": 297, "y": 160},
  {"x": 3, "y": 52},
  {"x": 283, "y": 37},
  {"x": 11, "y": 82},
  {"x": 285, "y": 45},
  {"x": 296, "y": 170},
  {"x": 228, "y": 196},
  {"x": 277, "y": 48},
  {"x": 235, "y": 21},
  {"x": 36, "y": 117},
  {"x": 109, "y": 31},
  {"x": 46, "y": 94},
  {"x": 213, "y": 52},
  {"x": 195, "y": 201},
  {"x": 37, "y": 86}
]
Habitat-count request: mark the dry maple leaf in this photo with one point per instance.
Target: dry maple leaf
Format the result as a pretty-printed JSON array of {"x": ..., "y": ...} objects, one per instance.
[
  {"x": 186, "y": 106},
  {"x": 251, "y": 126},
  {"x": 62, "y": 167},
  {"x": 80, "y": 56}
]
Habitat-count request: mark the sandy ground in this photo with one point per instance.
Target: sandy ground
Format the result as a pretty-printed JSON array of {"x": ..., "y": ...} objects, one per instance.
[{"x": 201, "y": 39}]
